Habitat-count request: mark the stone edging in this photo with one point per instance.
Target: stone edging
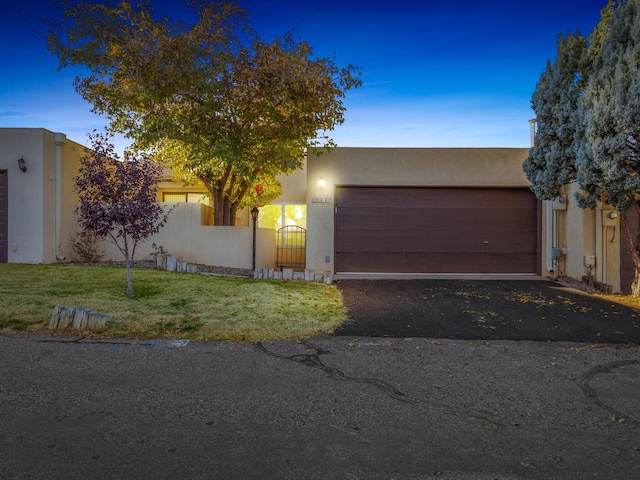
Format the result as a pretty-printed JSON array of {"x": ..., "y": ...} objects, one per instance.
[
  {"x": 289, "y": 274},
  {"x": 172, "y": 264}
]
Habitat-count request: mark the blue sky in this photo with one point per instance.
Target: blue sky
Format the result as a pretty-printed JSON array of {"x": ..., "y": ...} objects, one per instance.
[{"x": 435, "y": 73}]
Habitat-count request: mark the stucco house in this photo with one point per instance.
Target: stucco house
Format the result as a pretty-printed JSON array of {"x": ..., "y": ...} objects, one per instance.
[{"x": 375, "y": 211}]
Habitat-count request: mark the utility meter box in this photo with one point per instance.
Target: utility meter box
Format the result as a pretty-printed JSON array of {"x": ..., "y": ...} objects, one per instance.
[{"x": 556, "y": 252}]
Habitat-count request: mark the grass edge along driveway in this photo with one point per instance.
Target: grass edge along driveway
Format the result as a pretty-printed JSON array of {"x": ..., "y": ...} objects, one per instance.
[{"x": 169, "y": 305}]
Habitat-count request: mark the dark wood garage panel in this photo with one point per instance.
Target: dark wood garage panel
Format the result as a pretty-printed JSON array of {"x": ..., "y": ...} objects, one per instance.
[
  {"x": 436, "y": 230},
  {"x": 4, "y": 216}
]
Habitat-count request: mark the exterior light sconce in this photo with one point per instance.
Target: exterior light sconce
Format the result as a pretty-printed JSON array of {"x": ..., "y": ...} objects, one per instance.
[
  {"x": 22, "y": 164},
  {"x": 322, "y": 182},
  {"x": 613, "y": 215}
]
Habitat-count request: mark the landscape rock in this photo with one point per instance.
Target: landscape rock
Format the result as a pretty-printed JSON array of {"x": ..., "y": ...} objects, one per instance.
[
  {"x": 172, "y": 264},
  {"x": 78, "y": 318}
]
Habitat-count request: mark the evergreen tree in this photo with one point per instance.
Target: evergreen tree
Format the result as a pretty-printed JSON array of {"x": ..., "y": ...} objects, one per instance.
[
  {"x": 608, "y": 155},
  {"x": 551, "y": 161}
]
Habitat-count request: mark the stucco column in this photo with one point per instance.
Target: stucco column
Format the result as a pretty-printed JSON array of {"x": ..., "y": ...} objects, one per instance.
[{"x": 60, "y": 139}]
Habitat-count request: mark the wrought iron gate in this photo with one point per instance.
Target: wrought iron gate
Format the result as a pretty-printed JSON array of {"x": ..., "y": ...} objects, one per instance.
[{"x": 291, "y": 247}]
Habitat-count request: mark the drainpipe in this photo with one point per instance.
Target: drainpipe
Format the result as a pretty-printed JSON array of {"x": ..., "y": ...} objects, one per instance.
[
  {"x": 60, "y": 139},
  {"x": 550, "y": 220}
]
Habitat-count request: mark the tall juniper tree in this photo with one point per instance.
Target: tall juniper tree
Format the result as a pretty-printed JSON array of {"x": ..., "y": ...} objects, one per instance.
[
  {"x": 588, "y": 111},
  {"x": 609, "y": 154},
  {"x": 551, "y": 161}
]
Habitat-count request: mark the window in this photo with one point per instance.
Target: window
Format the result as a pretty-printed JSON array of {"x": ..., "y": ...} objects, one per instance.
[
  {"x": 186, "y": 197},
  {"x": 280, "y": 215}
]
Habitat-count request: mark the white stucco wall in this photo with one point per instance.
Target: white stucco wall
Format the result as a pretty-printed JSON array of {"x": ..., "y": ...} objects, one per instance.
[
  {"x": 588, "y": 234},
  {"x": 32, "y": 194},
  {"x": 294, "y": 186},
  {"x": 26, "y": 192},
  {"x": 184, "y": 237}
]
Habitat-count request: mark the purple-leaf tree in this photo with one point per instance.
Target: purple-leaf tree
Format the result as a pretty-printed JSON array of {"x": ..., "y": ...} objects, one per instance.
[{"x": 118, "y": 197}]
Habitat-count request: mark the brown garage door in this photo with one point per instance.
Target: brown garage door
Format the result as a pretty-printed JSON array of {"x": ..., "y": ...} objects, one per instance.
[
  {"x": 4, "y": 216},
  {"x": 436, "y": 230}
]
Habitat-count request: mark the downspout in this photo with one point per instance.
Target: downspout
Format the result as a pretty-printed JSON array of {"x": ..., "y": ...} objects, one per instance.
[
  {"x": 60, "y": 139},
  {"x": 550, "y": 220}
]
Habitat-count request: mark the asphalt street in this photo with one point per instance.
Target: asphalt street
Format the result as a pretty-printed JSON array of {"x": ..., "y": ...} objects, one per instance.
[{"x": 330, "y": 408}]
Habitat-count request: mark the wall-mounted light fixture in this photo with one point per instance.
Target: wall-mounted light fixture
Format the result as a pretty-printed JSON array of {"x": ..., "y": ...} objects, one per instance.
[
  {"x": 613, "y": 215},
  {"x": 22, "y": 164},
  {"x": 322, "y": 182}
]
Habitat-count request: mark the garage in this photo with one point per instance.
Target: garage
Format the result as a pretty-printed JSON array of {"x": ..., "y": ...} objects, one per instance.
[{"x": 435, "y": 230}]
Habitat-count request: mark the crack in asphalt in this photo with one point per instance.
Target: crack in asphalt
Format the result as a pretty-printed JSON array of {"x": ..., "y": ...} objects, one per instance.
[
  {"x": 313, "y": 360},
  {"x": 90, "y": 341},
  {"x": 116, "y": 346},
  {"x": 591, "y": 394}
]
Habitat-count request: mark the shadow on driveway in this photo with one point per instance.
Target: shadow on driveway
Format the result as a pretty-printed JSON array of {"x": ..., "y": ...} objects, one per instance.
[{"x": 484, "y": 310}]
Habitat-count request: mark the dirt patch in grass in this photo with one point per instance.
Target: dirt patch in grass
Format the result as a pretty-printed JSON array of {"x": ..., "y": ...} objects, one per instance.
[{"x": 169, "y": 305}]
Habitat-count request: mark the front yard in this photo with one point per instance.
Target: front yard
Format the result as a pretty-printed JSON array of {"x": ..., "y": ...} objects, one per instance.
[{"x": 169, "y": 305}]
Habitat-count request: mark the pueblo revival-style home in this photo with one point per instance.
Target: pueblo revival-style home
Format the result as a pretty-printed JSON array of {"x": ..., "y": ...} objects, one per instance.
[{"x": 404, "y": 212}]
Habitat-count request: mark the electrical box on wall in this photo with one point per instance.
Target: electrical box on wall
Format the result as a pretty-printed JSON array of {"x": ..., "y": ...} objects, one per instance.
[
  {"x": 610, "y": 218},
  {"x": 589, "y": 260}
]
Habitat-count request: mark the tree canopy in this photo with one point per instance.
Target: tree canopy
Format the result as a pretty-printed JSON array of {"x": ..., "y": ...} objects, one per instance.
[
  {"x": 210, "y": 99},
  {"x": 607, "y": 155},
  {"x": 551, "y": 161},
  {"x": 589, "y": 128},
  {"x": 118, "y": 198}
]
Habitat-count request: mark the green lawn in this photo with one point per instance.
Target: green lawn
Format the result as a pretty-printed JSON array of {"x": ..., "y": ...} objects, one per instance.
[{"x": 169, "y": 305}]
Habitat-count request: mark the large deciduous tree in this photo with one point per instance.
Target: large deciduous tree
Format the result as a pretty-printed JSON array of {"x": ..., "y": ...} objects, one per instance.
[
  {"x": 210, "y": 99},
  {"x": 118, "y": 198}
]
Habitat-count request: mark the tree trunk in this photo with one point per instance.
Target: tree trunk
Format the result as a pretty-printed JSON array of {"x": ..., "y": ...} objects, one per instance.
[
  {"x": 224, "y": 211},
  {"x": 631, "y": 246},
  {"x": 227, "y": 211},
  {"x": 127, "y": 262},
  {"x": 233, "y": 211},
  {"x": 218, "y": 209}
]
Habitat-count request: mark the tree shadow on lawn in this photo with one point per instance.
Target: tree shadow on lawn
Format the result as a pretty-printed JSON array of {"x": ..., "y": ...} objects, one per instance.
[{"x": 484, "y": 310}]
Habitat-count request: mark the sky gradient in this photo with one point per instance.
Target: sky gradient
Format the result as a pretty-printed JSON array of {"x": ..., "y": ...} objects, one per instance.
[{"x": 435, "y": 73}]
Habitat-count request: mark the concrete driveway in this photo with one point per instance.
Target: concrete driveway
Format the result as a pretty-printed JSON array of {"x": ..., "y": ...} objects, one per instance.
[{"x": 536, "y": 310}]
